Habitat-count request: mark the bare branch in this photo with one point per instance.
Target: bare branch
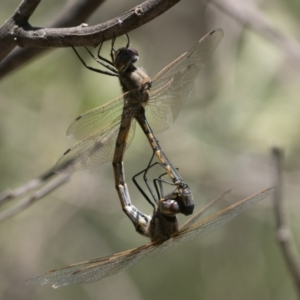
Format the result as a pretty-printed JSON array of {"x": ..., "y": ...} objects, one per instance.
[
  {"x": 27, "y": 36},
  {"x": 93, "y": 35},
  {"x": 284, "y": 235}
]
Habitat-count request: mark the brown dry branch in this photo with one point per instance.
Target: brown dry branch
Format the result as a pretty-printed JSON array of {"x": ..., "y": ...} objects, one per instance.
[{"x": 18, "y": 32}]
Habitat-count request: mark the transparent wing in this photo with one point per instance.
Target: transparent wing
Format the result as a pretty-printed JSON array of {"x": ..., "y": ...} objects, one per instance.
[
  {"x": 94, "y": 150},
  {"x": 173, "y": 85},
  {"x": 98, "y": 128},
  {"x": 206, "y": 226},
  {"x": 93, "y": 270},
  {"x": 96, "y": 120}
]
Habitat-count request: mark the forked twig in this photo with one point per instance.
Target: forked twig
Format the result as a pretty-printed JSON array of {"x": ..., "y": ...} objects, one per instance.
[{"x": 20, "y": 32}]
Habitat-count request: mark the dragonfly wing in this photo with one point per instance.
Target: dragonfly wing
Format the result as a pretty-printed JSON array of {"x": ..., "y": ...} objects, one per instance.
[
  {"x": 97, "y": 119},
  {"x": 206, "y": 226},
  {"x": 93, "y": 270},
  {"x": 173, "y": 85},
  {"x": 93, "y": 150}
]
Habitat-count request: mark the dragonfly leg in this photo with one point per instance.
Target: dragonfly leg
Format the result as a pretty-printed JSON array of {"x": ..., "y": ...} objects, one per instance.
[
  {"x": 103, "y": 61},
  {"x": 112, "y": 73},
  {"x": 112, "y": 49},
  {"x": 128, "y": 41},
  {"x": 144, "y": 172},
  {"x": 183, "y": 188},
  {"x": 100, "y": 57},
  {"x": 157, "y": 183}
]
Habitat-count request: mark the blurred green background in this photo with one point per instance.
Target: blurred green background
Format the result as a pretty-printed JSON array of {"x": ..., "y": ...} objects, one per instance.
[{"x": 245, "y": 101}]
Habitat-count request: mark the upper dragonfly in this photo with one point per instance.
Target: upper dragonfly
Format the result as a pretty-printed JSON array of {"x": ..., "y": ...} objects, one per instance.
[{"x": 105, "y": 132}]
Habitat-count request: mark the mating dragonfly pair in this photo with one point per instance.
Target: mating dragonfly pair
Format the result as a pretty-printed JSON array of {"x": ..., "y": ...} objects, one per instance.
[{"x": 107, "y": 131}]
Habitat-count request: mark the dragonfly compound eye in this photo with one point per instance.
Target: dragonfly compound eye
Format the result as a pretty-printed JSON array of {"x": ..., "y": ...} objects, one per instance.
[
  {"x": 169, "y": 207},
  {"x": 125, "y": 58}
]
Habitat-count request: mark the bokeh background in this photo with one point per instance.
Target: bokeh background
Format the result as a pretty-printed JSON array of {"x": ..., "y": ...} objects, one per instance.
[{"x": 245, "y": 101}]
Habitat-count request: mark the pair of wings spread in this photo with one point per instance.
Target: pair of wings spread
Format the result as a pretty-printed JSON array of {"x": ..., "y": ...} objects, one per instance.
[
  {"x": 93, "y": 270},
  {"x": 98, "y": 129}
]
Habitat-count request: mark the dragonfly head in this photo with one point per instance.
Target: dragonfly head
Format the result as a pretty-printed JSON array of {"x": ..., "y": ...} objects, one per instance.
[
  {"x": 179, "y": 201},
  {"x": 125, "y": 58},
  {"x": 169, "y": 207}
]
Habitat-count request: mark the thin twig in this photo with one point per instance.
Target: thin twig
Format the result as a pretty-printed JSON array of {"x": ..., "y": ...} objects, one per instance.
[
  {"x": 284, "y": 235},
  {"x": 29, "y": 186},
  {"x": 249, "y": 15},
  {"x": 56, "y": 181}
]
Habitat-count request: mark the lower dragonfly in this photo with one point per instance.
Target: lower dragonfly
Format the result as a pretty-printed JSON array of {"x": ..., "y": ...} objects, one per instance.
[
  {"x": 164, "y": 233},
  {"x": 105, "y": 132}
]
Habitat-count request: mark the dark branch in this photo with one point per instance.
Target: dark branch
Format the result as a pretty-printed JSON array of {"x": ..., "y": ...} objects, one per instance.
[
  {"x": 18, "y": 19},
  {"x": 25, "y": 10},
  {"x": 75, "y": 12}
]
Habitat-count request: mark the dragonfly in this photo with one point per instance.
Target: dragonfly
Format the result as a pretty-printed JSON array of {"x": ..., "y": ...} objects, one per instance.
[
  {"x": 104, "y": 133},
  {"x": 166, "y": 234}
]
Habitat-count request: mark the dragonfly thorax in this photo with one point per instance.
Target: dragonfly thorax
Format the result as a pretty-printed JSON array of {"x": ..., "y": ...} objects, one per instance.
[
  {"x": 130, "y": 76},
  {"x": 162, "y": 226}
]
